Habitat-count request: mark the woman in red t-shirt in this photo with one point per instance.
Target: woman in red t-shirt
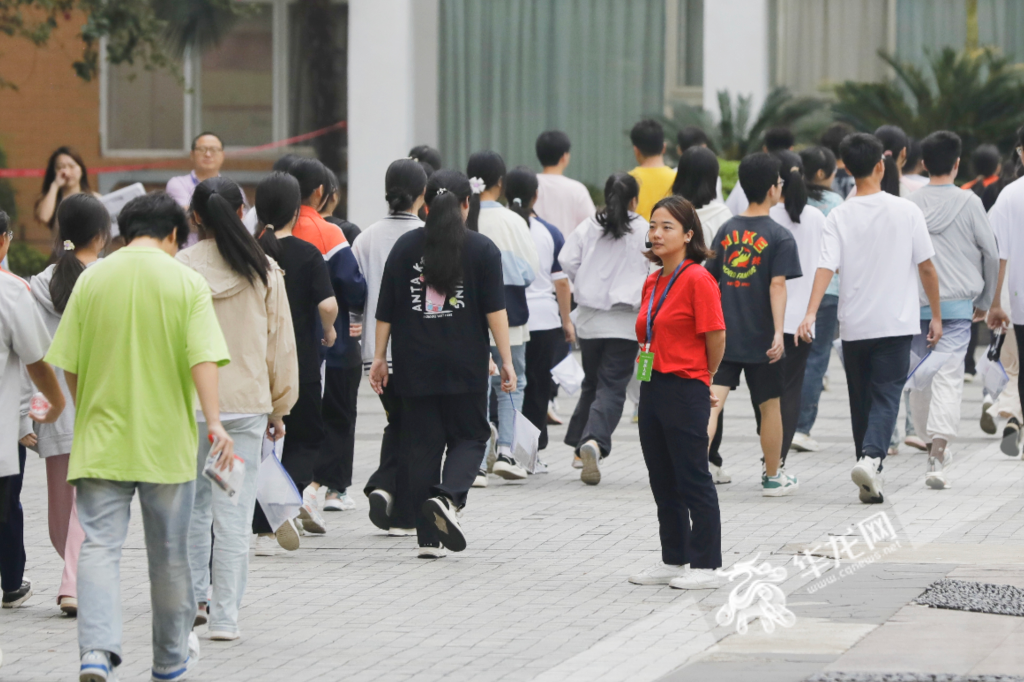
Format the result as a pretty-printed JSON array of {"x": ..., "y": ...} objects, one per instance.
[{"x": 681, "y": 325}]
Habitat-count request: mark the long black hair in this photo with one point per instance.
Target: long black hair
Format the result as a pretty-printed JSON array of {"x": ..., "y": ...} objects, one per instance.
[
  {"x": 216, "y": 202},
  {"x": 278, "y": 198},
  {"x": 489, "y": 167},
  {"x": 619, "y": 191},
  {"x": 894, "y": 141},
  {"x": 521, "y": 191},
  {"x": 331, "y": 187},
  {"x": 446, "y": 231},
  {"x": 311, "y": 174},
  {"x": 403, "y": 184},
  {"x": 794, "y": 189},
  {"x": 697, "y": 176},
  {"x": 80, "y": 219},
  {"x": 51, "y": 175},
  {"x": 816, "y": 159}
]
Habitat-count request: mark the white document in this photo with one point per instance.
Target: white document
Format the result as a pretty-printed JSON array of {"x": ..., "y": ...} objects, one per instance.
[
  {"x": 568, "y": 374},
  {"x": 117, "y": 199}
]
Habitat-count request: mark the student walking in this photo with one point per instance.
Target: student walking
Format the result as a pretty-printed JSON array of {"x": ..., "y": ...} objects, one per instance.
[
  {"x": 140, "y": 314},
  {"x": 519, "y": 264},
  {"x": 257, "y": 390},
  {"x": 561, "y": 201},
  {"x": 833, "y": 136},
  {"x": 775, "y": 139},
  {"x": 313, "y": 310},
  {"x": 968, "y": 267},
  {"x": 653, "y": 176},
  {"x": 404, "y": 187},
  {"x": 604, "y": 259},
  {"x": 697, "y": 181},
  {"x": 548, "y": 298},
  {"x": 84, "y": 230},
  {"x": 753, "y": 259},
  {"x": 682, "y": 326},
  {"x": 694, "y": 136},
  {"x": 879, "y": 311},
  {"x": 440, "y": 293}
]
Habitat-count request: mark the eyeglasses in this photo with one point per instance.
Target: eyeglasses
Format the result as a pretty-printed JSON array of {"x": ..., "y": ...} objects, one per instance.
[
  {"x": 781, "y": 183},
  {"x": 209, "y": 150},
  {"x": 9, "y": 234}
]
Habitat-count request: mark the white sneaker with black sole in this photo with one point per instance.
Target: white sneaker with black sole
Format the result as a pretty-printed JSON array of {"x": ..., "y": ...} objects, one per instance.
[
  {"x": 868, "y": 478},
  {"x": 508, "y": 468},
  {"x": 658, "y": 574},
  {"x": 441, "y": 512},
  {"x": 718, "y": 474},
  {"x": 381, "y": 504},
  {"x": 936, "y": 477},
  {"x": 590, "y": 454}
]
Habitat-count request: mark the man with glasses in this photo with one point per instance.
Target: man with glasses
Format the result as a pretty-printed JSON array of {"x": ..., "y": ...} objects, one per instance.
[{"x": 207, "y": 157}]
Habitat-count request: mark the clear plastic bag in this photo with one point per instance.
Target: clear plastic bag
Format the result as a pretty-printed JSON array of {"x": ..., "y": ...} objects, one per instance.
[
  {"x": 275, "y": 490},
  {"x": 525, "y": 442},
  {"x": 993, "y": 375}
]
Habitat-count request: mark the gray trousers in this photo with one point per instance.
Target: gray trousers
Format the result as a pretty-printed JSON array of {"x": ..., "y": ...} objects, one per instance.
[{"x": 608, "y": 365}]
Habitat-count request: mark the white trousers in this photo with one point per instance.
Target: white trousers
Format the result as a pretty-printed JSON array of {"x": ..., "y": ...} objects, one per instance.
[{"x": 936, "y": 409}]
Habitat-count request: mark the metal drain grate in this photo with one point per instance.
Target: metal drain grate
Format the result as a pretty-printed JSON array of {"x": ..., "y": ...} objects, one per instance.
[
  {"x": 964, "y": 595},
  {"x": 910, "y": 677}
]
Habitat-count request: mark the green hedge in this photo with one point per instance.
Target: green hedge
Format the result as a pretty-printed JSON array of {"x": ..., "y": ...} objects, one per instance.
[
  {"x": 26, "y": 260},
  {"x": 729, "y": 170}
]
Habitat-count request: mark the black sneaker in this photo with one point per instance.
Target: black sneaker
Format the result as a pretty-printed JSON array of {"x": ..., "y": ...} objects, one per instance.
[
  {"x": 441, "y": 511},
  {"x": 1011, "y": 438},
  {"x": 13, "y": 600}
]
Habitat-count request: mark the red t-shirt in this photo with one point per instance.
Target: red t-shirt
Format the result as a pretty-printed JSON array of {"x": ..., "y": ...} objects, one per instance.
[
  {"x": 312, "y": 228},
  {"x": 692, "y": 308}
]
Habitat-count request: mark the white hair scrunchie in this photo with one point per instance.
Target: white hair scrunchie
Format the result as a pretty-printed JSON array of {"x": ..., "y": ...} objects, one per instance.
[
  {"x": 69, "y": 245},
  {"x": 477, "y": 185}
]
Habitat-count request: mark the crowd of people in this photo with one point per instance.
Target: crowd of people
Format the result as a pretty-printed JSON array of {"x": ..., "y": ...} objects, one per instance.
[{"x": 214, "y": 332}]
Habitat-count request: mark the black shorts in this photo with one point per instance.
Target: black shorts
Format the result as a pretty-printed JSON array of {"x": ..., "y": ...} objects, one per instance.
[{"x": 765, "y": 380}]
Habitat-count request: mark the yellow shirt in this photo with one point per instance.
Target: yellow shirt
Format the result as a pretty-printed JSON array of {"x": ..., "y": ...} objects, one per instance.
[{"x": 655, "y": 185}]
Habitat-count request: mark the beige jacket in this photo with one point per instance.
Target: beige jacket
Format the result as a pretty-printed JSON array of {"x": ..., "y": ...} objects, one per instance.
[{"x": 263, "y": 375}]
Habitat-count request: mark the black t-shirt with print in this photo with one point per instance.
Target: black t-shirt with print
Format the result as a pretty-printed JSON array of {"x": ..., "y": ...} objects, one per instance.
[
  {"x": 439, "y": 345},
  {"x": 307, "y": 282},
  {"x": 749, "y": 252}
]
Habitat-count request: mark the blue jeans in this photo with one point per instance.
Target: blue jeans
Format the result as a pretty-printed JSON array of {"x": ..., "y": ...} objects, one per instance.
[
  {"x": 232, "y": 524},
  {"x": 817, "y": 362},
  {"x": 104, "y": 510},
  {"x": 506, "y": 408},
  {"x": 876, "y": 370}
]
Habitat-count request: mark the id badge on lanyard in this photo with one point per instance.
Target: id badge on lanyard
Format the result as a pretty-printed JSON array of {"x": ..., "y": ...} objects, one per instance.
[{"x": 645, "y": 363}]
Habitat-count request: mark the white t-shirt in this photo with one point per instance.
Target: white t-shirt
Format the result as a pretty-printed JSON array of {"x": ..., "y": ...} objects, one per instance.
[
  {"x": 1006, "y": 218},
  {"x": 737, "y": 201},
  {"x": 23, "y": 339},
  {"x": 540, "y": 295},
  {"x": 807, "y": 233},
  {"x": 876, "y": 242},
  {"x": 563, "y": 202}
]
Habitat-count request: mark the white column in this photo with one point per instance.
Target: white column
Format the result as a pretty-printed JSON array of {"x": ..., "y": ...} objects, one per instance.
[
  {"x": 735, "y": 51},
  {"x": 392, "y": 94}
]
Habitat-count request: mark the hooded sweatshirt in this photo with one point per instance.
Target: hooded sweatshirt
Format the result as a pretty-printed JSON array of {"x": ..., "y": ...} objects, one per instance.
[
  {"x": 55, "y": 438},
  {"x": 965, "y": 250},
  {"x": 263, "y": 376}
]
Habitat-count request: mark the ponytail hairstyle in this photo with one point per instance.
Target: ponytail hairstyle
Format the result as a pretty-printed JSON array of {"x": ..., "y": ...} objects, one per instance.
[
  {"x": 278, "y": 198},
  {"x": 894, "y": 141},
  {"x": 331, "y": 188},
  {"x": 817, "y": 159},
  {"x": 794, "y": 190},
  {"x": 426, "y": 154},
  {"x": 404, "y": 182},
  {"x": 216, "y": 202},
  {"x": 311, "y": 174},
  {"x": 521, "y": 191},
  {"x": 683, "y": 211},
  {"x": 697, "y": 176},
  {"x": 619, "y": 191},
  {"x": 442, "y": 251},
  {"x": 81, "y": 218},
  {"x": 484, "y": 170}
]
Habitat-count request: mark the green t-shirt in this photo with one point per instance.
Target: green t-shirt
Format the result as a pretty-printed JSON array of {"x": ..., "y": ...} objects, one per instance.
[{"x": 136, "y": 324}]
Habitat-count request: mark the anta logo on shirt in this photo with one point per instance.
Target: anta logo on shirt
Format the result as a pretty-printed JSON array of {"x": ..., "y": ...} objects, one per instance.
[
  {"x": 741, "y": 256},
  {"x": 430, "y": 301}
]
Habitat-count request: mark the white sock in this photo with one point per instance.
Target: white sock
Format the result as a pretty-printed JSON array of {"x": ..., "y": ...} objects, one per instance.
[{"x": 505, "y": 450}]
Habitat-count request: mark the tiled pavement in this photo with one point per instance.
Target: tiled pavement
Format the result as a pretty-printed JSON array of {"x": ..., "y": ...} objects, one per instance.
[{"x": 541, "y": 591}]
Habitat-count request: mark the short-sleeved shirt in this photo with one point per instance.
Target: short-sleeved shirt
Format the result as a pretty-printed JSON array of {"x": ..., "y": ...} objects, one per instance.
[
  {"x": 540, "y": 295},
  {"x": 135, "y": 325},
  {"x": 749, "y": 252},
  {"x": 23, "y": 340},
  {"x": 876, "y": 242},
  {"x": 308, "y": 283},
  {"x": 692, "y": 308},
  {"x": 439, "y": 344},
  {"x": 655, "y": 185}
]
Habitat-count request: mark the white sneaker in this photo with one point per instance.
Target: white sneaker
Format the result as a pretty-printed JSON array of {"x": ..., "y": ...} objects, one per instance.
[
  {"x": 96, "y": 667},
  {"x": 936, "y": 476},
  {"x": 698, "y": 579},
  {"x": 508, "y": 468},
  {"x": 381, "y": 504},
  {"x": 312, "y": 521},
  {"x": 590, "y": 454},
  {"x": 577, "y": 463},
  {"x": 719, "y": 474},
  {"x": 868, "y": 478},
  {"x": 287, "y": 535},
  {"x": 266, "y": 545},
  {"x": 336, "y": 501},
  {"x": 658, "y": 574},
  {"x": 492, "y": 449},
  {"x": 310, "y": 497},
  {"x": 481, "y": 479},
  {"x": 779, "y": 485},
  {"x": 431, "y": 553},
  {"x": 804, "y": 443},
  {"x": 223, "y": 635},
  {"x": 401, "y": 532}
]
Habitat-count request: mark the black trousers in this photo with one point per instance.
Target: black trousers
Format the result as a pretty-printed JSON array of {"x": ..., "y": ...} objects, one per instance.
[
  {"x": 386, "y": 475},
  {"x": 673, "y": 416},
  {"x": 794, "y": 364},
  {"x": 1018, "y": 331},
  {"x": 304, "y": 437},
  {"x": 876, "y": 370},
  {"x": 12, "y": 528},
  {"x": 452, "y": 427},
  {"x": 608, "y": 365},
  {"x": 333, "y": 466},
  {"x": 969, "y": 365},
  {"x": 541, "y": 351}
]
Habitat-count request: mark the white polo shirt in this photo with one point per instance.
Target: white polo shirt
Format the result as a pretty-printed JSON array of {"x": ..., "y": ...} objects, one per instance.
[{"x": 1007, "y": 219}]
